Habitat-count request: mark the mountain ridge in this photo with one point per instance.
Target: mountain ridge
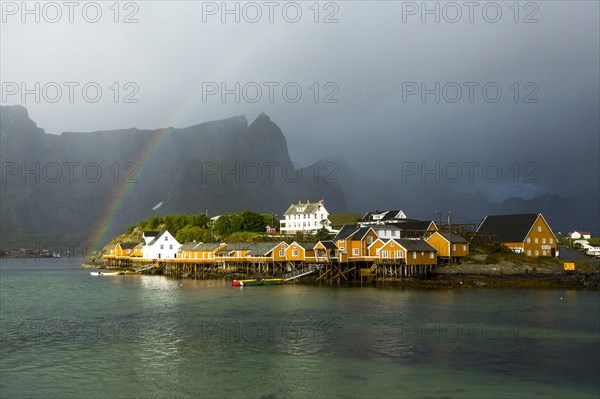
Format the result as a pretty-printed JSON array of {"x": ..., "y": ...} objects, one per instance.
[{"x": 220, "y": 166}]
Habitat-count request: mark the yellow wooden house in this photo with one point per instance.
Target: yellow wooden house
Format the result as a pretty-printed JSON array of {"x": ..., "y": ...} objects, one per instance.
[
  {"x": 528, "y": 233},
  {"x": 300, "y": 252},
  {"x": 266, "y": 251},
  {"x": 326, "y": 251},
  {"x": 407, "y": 251},
  {"x": 124, "y": 249},
  {"x": 448, "y": 245},
  {"x": 200, "y": 252},
  {"x": 353, "y": 242}
]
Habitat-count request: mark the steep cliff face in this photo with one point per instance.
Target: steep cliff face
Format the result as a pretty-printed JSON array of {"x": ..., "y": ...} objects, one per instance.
[{"x": 68, "y": 185}]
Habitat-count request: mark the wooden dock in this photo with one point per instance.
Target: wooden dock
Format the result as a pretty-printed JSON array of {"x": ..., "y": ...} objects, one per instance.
[{"x": 330, "y": 272}]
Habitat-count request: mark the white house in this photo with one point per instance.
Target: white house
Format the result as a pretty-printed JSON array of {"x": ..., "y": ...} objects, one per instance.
[
  {"x": 306, "y": 217},
  {"x": 577, "y": 235},
  {"x": 159, "y": 245},
  {"x": 384, "y": 217}
]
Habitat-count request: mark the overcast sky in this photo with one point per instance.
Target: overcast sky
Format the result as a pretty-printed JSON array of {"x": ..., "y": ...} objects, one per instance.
[{"x": 373, "y": 59}]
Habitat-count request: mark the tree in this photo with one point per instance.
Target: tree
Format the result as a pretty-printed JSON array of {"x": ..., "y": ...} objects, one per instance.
[
  {"x": 223, "y": 225},
  {"x": 299, "y": 236},
  {"x": 252, "y": 221},
  {"x": 322, "y": 234},
  {"x": 189, "y": 233}
]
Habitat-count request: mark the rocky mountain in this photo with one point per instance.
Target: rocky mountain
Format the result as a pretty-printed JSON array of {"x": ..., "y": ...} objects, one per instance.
[
  {"x": 57, "y": 187},
  {"x": 69, "y": 186}
]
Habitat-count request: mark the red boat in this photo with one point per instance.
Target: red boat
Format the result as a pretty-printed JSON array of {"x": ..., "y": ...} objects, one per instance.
[{"x": 236, "y": 283}]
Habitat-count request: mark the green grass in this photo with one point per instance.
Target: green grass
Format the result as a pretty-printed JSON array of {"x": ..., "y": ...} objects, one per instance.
[{"x": 340, "y": 219}]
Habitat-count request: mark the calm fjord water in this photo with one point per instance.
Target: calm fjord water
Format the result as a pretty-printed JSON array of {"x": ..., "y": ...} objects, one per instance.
[{"x": 65, "y": 334}]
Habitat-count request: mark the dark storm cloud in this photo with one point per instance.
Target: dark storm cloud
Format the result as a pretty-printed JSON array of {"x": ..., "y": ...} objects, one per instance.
[{"x": 543, "y": 56}]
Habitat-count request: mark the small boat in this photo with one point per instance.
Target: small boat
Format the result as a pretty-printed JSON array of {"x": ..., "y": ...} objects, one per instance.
[
  {"x": 253, "y": 282},
  {"x": 246, "y": 283},
  {"x": 105, "y": 273},
  {"x": 273, "y": 281}
]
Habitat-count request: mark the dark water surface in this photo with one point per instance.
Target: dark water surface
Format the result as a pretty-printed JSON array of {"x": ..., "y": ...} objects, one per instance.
[{"x": 65, "y": 334}]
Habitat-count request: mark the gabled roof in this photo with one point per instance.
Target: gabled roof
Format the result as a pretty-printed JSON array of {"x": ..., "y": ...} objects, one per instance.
[
  {"x": 328, "y": 244},
  {"x": 416, "y": 245},
  {"x": 303, "y": 208},
  {"x": 189, "y": 246},
  {"x": 381, "y": 240},
  {"x": 150, "y": 233},
  {"x": 128, "y": 245},
  {"x": 383, "y": 216},
  {"x": 451, "y": 237},
  {"x": 157, "y": 236},
  {"x": 346, "y": 231},
  {"x": 262, "y": 248},
  {"x": 209, "y": 246},
  {"x": 506, "y": 228},
  {"x": 360, "y": 233},
  {"x": 304, "y": 245}
]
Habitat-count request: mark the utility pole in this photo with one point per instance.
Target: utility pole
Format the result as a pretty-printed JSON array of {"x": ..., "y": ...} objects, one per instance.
[
  {"x": 450, "y": 231},
  {"x": 440, "y": 216}
]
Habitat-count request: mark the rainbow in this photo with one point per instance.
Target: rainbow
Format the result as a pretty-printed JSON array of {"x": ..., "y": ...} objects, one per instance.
[
  {"x": 100, "y": 234},
  {"x": 106, "y": 223}
]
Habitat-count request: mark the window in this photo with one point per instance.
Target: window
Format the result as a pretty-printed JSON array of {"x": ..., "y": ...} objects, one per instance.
[
  {"x": 171, "y": 246},
  {"x": 166, "y": 238},
  {"x": 370, "y": 240},
  {"x": 398, "y": 254},
  {"x": 543, "y": 240},
  {"x": 162, "y": 246},
  {"x": 537, "y": 252},
  {"x": 431, "y": 255},
  {"x": 377, "y": 251},
  {"x": 529, "y": 252},
  {"x": 454, "y": 247},
  {"x": 384, "y": 254},
  {"x": 355, "y": 251},
  {"x": 544, "y": 253},
  {"x": 391, "y": 244},
  {"x": 528, "y": 240},
  {"x": 414, "y": 255},
  {"x": 535, "y": 240},
  {"x": 551, "y": 241},
  {"x": 295, "y": 252},
  {"x": 281, "y": 253},
  {"x": 464, "y": 248},
  {"x": 539, "y": 229}
]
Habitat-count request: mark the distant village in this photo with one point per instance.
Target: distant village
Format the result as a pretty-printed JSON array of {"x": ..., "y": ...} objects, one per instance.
[{"x": 384, "y": 237}]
